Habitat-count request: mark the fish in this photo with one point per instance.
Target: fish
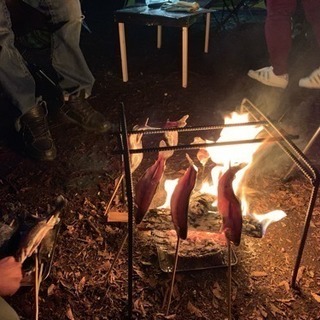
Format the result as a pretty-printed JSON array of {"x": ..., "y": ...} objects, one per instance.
[
  {"x": 171, "y": 137},
  {"x": 179, "y": 203},
  {"x": 37, "y": 233},
  {"x": 147, "y": 185},
  {"x": 135, "y": 142},
  {"x": 229, "y": 206}
]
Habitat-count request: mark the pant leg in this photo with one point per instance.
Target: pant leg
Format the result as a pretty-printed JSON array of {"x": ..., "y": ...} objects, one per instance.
[
  {"x": 278, "y": 32},
  {"x": 67, "y": 58},
  {"x": 15, "y": 77},
  {"x": 312, "y": 13},
  {"x": 6, "y": 311}
]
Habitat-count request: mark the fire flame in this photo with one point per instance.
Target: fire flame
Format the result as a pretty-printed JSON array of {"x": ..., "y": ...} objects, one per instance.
[{"x": 231, "y": 155}]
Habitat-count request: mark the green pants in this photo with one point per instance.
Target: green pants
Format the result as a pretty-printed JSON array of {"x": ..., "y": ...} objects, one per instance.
[{"x": 6, "y": 311}]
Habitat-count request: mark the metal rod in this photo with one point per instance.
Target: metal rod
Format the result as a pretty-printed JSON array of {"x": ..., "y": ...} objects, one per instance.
[
  {"x": 312, "y": 202},
  {"x": 307, "y": 169},
  {"x": 200, "y": 128},
  {"x": 204, "y": 145},
  {"x": 229, "y": 281},
  {"x": 173, "y": 274},
  {"x": 305, "y": 150},
  {"x": 129, "y": 193}
]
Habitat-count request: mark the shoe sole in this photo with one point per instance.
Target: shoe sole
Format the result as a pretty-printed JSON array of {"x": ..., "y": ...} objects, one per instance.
[{"x": 254, "y": 76}]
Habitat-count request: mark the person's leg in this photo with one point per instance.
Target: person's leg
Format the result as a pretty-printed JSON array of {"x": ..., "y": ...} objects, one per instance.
[
  {"x": 312, "y": 13},
  {"x": 75, "y": 78},
  {"x": 15, "y": 78},
  {"x": 67, "y": 58},
  {"x": 18, "y": 83},
  {"x": 278, "y": 38},
  {"x": 278, "y": 33},
  {"x": 6, "y": 311}
]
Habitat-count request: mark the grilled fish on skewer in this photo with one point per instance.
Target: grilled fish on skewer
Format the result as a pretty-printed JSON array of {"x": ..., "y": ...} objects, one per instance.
[
  {"x": 34, "y": 237},
  {"x": 180, "y": 200},
  {"x": 147, "y": 186},
  {"x": 229, "y": 206},
  {"x": 172, "y": 136},
  {"x": 135, "y": 142}
]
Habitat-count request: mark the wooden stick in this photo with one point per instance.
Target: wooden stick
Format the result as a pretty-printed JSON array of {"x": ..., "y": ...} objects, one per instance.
[
  {"x": 114, "y": 193},
  {"x": 118, "y": 254},
  {"x": 173, "y": 274},
  {"x": 229, "y": 281},
  {"x": 37, "y": 281}
]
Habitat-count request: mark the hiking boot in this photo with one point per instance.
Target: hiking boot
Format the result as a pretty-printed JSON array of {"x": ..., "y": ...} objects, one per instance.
[
  {"x": 78, "y": 110},
  {"x": 36, "y": 135},
  {"x": 269, "y": 78},
  {"x": 311, "y": 82}
]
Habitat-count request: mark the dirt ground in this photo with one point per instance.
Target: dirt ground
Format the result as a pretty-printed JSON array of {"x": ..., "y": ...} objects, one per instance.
[{"x": 87, "y": 167}]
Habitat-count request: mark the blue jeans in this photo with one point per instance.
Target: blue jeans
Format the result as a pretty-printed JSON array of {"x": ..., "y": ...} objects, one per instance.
[{"x": 67, "y": 58}]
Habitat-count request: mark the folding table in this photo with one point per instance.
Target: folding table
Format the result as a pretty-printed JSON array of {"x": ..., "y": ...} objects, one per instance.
[{"x": 158, "y": 17}]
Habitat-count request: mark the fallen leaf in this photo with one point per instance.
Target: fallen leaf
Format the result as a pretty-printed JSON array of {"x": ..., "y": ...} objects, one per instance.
[
  {"x": 262, "y": 311},
  {"x": 275, "y": 310},
  {"x": 69, "y": 313},
  {"x": 285, "y": 284},
  {"x": 300, "y": 273},
  {"x": 194, "y": 310},
  {"x": 258, "y": 274},
  {"x": 316, "y": 296},
  {"x": 51, "y": 289},
  {"x": 217, "y": 291}
]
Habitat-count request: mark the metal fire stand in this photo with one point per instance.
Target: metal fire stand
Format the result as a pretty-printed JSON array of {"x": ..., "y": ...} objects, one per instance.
[{"x": 275, "y": 134}]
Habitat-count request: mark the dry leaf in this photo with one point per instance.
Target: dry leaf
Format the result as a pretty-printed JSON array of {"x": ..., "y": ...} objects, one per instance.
[
  {"x": 300, "y": 273},
  {"x": 81, "y": 284},
  {"x": 316, "y": 296},
  {"x": 285, "y": 284},
  {"x": 258, "y": 274},
  {"x": 69, "y": 314},
  {"x": 217, "y": 291},
  {"x": 194, "y": 310},
  {"x": 50, "y": 289},
  {"x": 262, "y": 311},
  {"x": 275, "y": 310}
]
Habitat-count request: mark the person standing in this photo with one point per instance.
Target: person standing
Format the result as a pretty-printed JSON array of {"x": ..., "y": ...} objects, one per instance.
[
  {"x": 278, "y": 38},
  {"x": 74, "y": 77}
]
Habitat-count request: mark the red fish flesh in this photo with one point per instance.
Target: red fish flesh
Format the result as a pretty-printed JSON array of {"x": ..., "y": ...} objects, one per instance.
[
  {"x": 180, "y": 201},
  {"x": 147, "y": 185},
  {"x": 229, "y": 206}
]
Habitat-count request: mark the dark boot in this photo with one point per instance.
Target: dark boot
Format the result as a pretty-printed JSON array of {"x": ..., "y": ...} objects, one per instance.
[
  {"x": 78, "y": 110},
  {"x": 36, "y": 135}
]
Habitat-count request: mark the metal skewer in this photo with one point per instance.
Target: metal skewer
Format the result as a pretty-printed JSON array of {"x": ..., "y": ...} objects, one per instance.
[{"x": 229, "y": 281}]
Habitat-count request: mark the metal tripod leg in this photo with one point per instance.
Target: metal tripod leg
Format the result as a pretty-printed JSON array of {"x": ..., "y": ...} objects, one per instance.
[{"x": 305, "y": 150}]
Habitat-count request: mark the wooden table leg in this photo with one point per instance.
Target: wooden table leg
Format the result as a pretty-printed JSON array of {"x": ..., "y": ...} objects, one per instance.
[
  {"x": 123, "y": 51},
  {"x": 206, "y": 40},
  {"x": 184, "y": 57},
  {"x": 159, "y": 37}
]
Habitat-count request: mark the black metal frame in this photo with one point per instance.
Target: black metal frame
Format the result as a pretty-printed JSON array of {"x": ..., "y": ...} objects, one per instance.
[{"x": 277, "y": 135}]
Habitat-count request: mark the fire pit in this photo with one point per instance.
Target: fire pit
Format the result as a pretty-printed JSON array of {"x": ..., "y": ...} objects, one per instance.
[{"x": 263, "y": 130}]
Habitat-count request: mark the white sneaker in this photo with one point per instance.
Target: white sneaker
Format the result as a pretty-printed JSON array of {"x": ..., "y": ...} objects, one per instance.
[
  {"x": 267, "y": 77},
  {"x": 311, "y": 82}
]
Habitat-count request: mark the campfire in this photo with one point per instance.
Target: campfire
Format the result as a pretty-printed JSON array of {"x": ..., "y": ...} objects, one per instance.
[{"x": 204, "y": 225}]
